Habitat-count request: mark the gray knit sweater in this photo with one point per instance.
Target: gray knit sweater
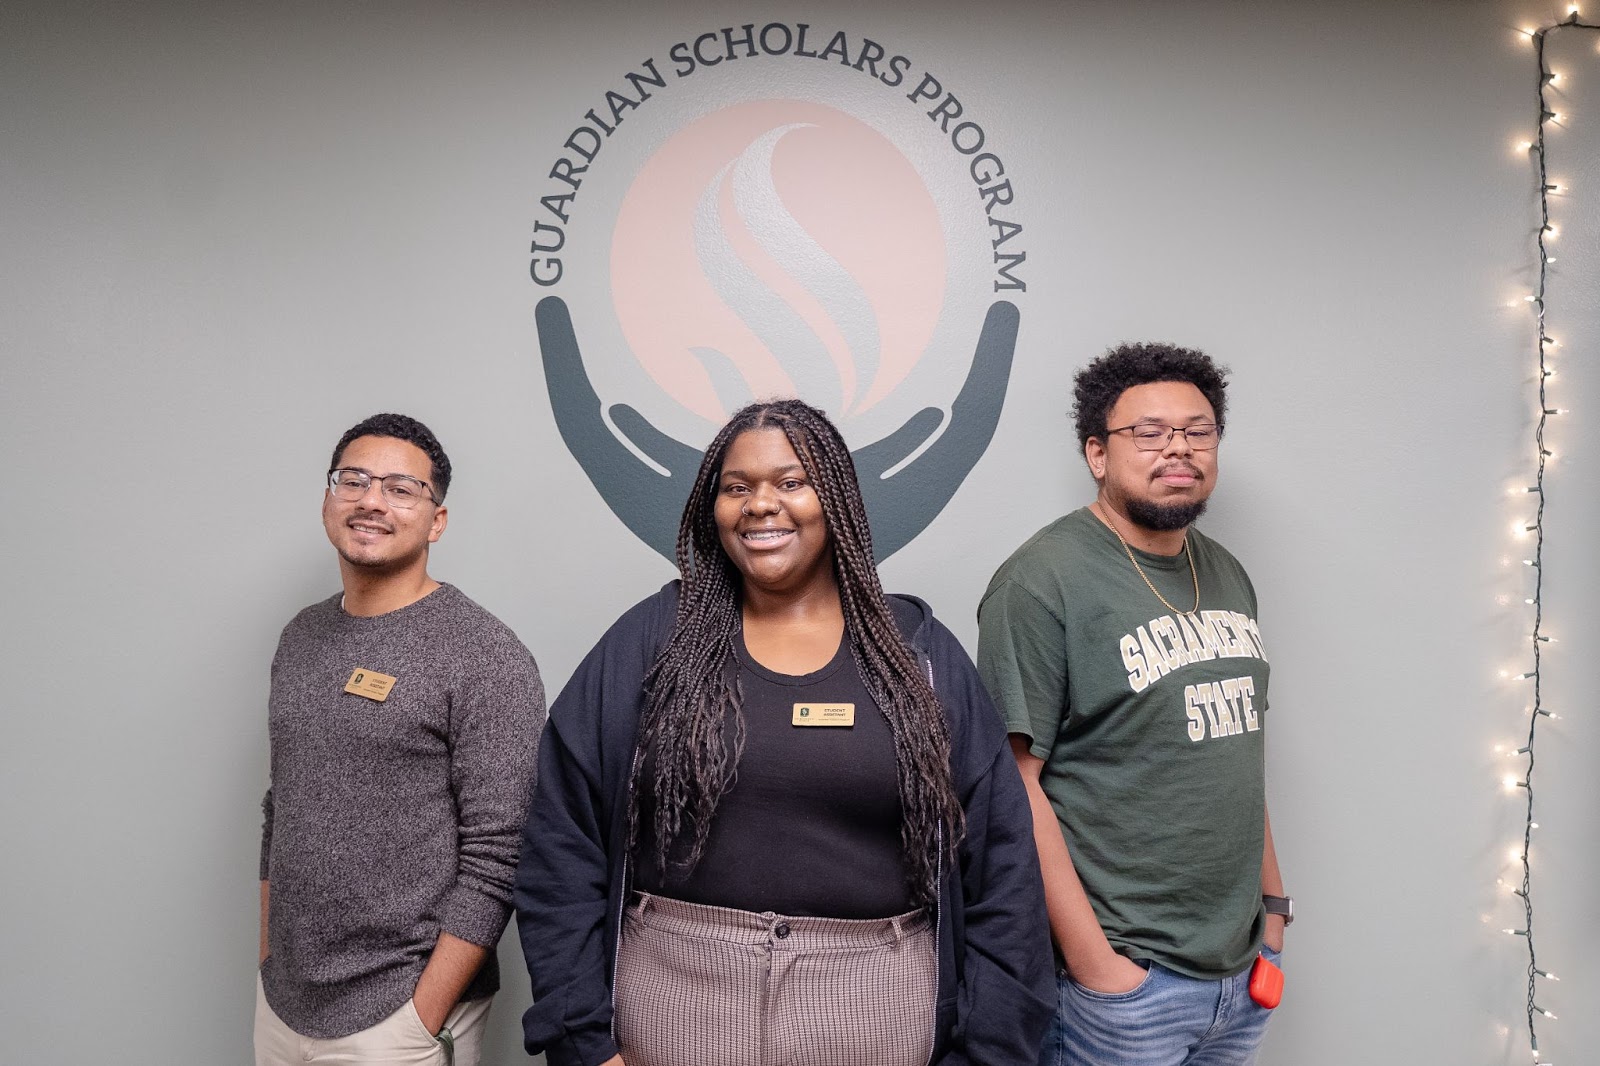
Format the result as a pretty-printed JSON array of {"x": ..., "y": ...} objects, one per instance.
[{"x": 387, "y": 823}]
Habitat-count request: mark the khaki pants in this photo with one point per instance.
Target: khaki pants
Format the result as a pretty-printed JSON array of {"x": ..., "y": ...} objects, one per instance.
[
  {"x": 713, "y": 986},
  {"x": 399, "y": 1040}
]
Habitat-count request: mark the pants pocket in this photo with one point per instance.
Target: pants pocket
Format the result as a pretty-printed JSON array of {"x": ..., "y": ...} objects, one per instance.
[{"x": 1116, "y": 997}]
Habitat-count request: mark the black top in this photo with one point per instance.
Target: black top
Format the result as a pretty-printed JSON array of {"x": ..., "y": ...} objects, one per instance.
[{"x": 811, "y": 825}]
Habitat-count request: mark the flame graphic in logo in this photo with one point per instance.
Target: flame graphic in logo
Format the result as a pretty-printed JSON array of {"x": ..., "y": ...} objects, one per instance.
[{"x": 779, "y": 247}]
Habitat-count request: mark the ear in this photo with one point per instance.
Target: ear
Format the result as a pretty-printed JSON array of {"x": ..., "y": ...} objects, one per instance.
[
  {"x": 441, "y": 518},
  {"x": 1094, "y": 453}
]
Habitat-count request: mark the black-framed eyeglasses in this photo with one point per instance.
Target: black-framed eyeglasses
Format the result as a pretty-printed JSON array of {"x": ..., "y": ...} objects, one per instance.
[
  {"x": 1154, "y": 437},
  {"x": 401, "y": 490}
]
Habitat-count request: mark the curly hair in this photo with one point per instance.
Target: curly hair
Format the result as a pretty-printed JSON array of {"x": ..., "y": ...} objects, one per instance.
[
  {"x": 692, "y": 689},
  {"x": 408, "y": 429},
  {"x": 1098, "y": 386}
]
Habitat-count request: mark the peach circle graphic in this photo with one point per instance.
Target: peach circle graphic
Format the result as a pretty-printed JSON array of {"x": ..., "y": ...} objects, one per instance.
[{"x": 778, "y": 247}]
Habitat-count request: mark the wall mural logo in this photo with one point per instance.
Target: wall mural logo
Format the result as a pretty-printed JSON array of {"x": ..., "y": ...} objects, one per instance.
[{"x": 808, "y": 218}]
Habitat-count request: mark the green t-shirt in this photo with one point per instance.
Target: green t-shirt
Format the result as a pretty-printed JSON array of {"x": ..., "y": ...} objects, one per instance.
[{"x": 1151, "y": 724}]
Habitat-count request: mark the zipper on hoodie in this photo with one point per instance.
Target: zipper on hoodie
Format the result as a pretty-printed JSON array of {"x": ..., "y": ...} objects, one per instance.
[
  {"x": 622, "y": 899},
  {"x": 616, "y": 950},
  {"x": 938, "y": 909}
]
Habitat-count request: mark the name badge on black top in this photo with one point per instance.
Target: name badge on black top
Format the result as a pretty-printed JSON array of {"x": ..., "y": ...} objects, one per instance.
[{"x": 843, "y": 714}]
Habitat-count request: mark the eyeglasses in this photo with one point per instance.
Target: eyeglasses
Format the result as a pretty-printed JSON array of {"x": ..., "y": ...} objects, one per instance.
[
  {"x": 401, "y": 490},
  {"x": 1154, "y": 437}
]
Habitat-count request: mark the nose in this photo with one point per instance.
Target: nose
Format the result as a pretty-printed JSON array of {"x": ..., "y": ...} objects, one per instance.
[
  {"x": 373, "y": 499},
  {"x": 762, "y": 501},
  {"x": 1178, "y": 443}
]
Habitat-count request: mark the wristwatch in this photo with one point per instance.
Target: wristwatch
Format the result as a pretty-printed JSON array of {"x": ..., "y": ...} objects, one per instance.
[{"x": 1283, "y": 905}]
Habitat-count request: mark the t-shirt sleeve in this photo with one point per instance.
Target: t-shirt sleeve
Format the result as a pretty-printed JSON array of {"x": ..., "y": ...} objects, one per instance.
[{"x": 1022, "y": 658}]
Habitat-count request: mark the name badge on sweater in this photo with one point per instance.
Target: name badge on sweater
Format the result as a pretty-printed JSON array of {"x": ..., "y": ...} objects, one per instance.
[
  {"x": 824, "y": 714},
  {"x": 371, "y": 684}
]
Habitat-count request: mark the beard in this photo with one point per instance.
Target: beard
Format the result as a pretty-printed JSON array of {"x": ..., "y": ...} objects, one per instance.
[{"x": 1163, "y": 518}]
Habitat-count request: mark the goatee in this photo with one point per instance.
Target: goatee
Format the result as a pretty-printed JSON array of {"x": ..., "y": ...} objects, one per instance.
[{"x": 1164, "y": 518}]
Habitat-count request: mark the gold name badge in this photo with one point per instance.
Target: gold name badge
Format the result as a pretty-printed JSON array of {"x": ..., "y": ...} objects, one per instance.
[
  {"x": 371, "y": 684},
  {"x": 824, "y": 714}
]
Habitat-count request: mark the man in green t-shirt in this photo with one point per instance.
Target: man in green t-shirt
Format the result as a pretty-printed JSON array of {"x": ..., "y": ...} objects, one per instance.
[{"x": 1122, "y": 647}]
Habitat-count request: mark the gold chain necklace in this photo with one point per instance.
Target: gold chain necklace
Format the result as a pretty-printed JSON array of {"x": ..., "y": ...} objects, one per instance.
[{"x": 1195, "y": 574}]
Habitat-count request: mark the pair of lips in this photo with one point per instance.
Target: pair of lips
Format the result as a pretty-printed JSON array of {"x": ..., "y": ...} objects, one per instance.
[
  {"x": 365, "y": 526},
  {"x": 765, "y": 535}
]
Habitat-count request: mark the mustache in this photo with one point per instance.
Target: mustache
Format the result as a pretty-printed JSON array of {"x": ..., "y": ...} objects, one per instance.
[
  {"x": 370, "y": 519},
  {"x": 1179, "y": 467}
]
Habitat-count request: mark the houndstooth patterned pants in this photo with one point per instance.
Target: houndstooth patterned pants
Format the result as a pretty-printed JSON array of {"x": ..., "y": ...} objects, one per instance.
[{"x": 714, "y": 986}]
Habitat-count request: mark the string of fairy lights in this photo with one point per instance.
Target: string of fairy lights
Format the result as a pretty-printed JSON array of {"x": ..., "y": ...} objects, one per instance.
[{"x": 1546, "y": 233}]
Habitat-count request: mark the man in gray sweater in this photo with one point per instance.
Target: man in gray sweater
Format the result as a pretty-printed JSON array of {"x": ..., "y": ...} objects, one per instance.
[{"x": 404, "y": 721}]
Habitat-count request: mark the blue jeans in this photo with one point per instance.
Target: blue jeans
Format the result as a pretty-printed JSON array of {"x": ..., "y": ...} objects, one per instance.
[{"x": 1169, "y": 1020}]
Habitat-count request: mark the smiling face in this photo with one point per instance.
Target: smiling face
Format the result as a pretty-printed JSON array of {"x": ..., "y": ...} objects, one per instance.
[
  {"x": 1157, "y": 490},
  {"x": 769, "y": 519},
  {"x": 371, "y": 533}
]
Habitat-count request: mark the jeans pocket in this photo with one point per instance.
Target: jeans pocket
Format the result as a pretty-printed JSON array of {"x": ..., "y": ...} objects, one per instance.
[{"x": 1117, "y": 997}]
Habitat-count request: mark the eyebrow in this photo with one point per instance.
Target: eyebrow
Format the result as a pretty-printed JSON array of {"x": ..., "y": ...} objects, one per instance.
[
  {"x": 364, "y": 470},
  {"x": 779, "y": 472}
]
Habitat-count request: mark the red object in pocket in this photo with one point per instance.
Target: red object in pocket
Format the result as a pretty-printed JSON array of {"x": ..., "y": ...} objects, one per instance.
[{"x": 1266, "y": 983}]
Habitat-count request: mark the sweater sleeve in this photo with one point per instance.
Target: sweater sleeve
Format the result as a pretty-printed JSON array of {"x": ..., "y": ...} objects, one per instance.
[
  {"x": 496, "y": 715},
  {"x": 1006, "y": 983},
  {"x": 266, "y": 801},
  {"x": 266, "y": 834}
]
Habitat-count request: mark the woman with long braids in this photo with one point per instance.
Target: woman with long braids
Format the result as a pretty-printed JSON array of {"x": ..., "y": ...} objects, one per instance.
[{"x": 777, "y": 820}]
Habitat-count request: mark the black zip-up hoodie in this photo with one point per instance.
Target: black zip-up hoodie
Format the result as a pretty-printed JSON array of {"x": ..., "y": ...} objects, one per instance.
[{"x": 996, "y": 981}]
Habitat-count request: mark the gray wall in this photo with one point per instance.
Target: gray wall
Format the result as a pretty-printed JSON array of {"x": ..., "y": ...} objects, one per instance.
[{"x": 230, "y": 231}]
